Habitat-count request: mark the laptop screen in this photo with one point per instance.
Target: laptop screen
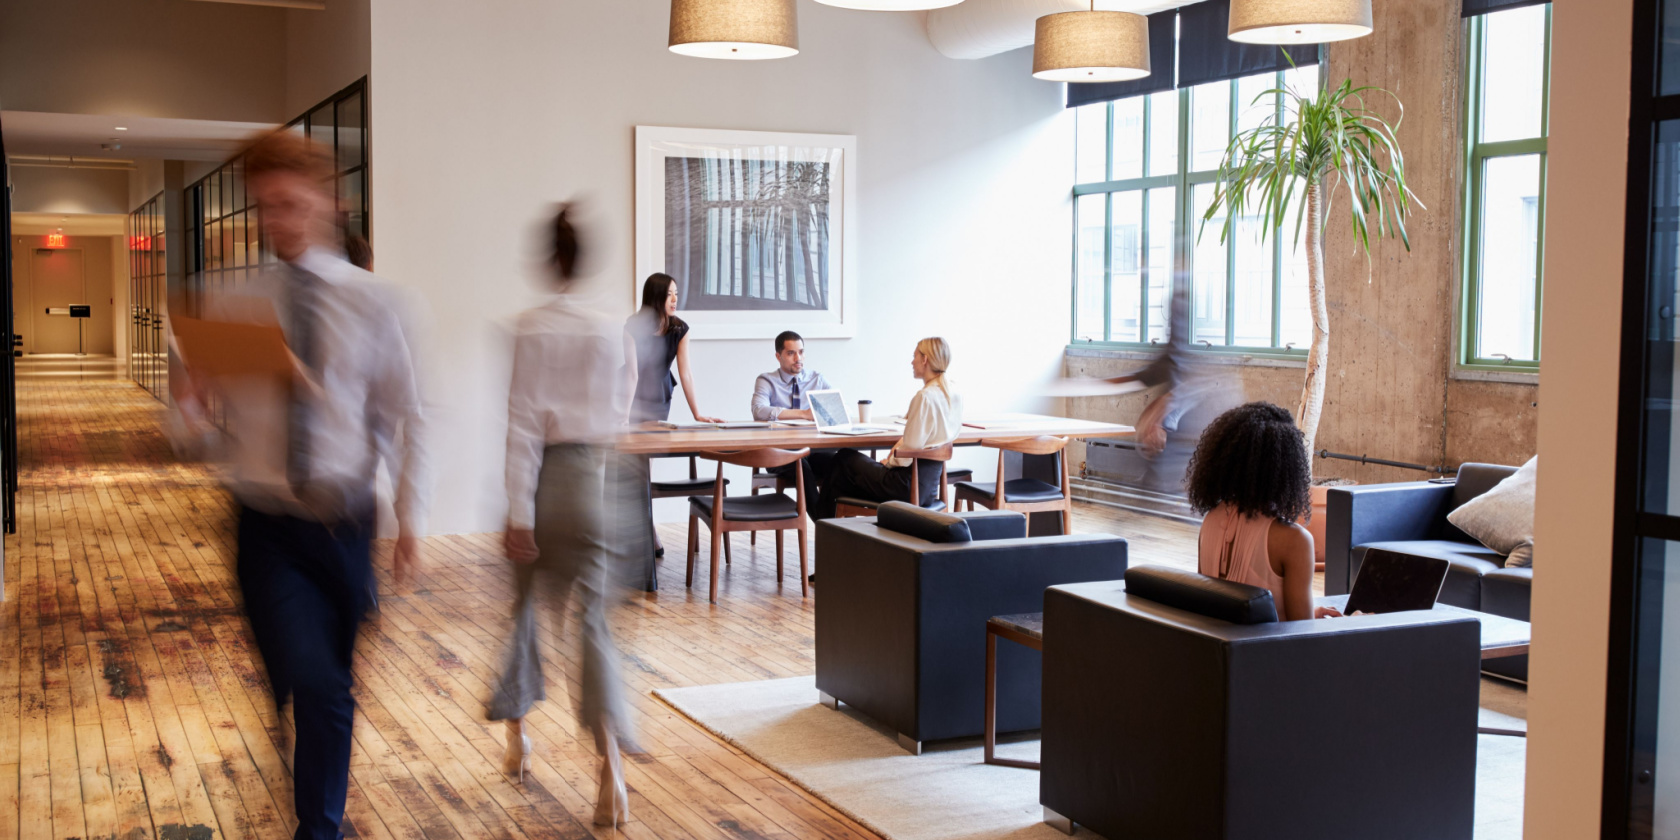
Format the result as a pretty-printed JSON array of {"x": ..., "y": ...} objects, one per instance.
[
  {"x": 1391, "y": 582},
  {"x": 828, "y": 409}
]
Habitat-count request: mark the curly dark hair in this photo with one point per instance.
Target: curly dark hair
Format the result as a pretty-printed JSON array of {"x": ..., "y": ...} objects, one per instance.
[{"x": 1254, "y": 458}]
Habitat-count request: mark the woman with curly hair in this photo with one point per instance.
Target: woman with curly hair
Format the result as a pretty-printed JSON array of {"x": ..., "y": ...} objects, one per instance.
[{"x": 1250, "y": 477}]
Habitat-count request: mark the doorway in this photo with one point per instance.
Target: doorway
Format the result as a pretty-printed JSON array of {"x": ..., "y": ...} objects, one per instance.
[{"x": 58, "y": 281}]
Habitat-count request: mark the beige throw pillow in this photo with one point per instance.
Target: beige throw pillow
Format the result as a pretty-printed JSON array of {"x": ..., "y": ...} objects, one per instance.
[{"x": 1503, "y": 518}]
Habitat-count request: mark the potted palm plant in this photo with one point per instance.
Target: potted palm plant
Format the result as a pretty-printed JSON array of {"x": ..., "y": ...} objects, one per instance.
[{"x": 1294, "y": 164}]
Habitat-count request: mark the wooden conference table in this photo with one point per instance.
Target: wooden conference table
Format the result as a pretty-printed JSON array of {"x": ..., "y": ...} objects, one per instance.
[
  {"x": 690, "y": 441},
  {"x": 686, "y": 441}
]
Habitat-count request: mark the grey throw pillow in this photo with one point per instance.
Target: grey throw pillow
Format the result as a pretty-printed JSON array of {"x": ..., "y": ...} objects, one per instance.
[{"x": 1503, "y": 518}]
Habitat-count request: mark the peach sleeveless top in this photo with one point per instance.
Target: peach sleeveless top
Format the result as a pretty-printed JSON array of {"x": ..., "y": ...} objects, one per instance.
[{"x": 1233, "y": 547}]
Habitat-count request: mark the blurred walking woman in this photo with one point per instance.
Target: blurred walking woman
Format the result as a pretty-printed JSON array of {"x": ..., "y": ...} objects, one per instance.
[
  {"x": 661, "y": 338},
  {"x": 565, "y": 406}
]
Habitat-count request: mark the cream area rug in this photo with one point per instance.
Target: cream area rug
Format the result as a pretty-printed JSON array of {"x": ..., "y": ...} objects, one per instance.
[{"x": 946, "y": 793}]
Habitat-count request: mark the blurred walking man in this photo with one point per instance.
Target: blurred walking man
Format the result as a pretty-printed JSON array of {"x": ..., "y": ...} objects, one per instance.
[{"x": 302, "y": 453}]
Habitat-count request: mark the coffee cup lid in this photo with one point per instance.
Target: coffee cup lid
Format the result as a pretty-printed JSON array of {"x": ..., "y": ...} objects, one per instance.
[{"x": 866, "y": 402}]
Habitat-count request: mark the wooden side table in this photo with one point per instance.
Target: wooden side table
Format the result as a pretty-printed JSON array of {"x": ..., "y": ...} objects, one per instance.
[{"x": 1023, "y": 629}]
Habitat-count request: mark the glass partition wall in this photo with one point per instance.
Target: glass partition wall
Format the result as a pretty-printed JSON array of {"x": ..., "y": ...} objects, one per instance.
[
  {"x": 148, "y": 354},
  {"x": 224, "y": 239}
]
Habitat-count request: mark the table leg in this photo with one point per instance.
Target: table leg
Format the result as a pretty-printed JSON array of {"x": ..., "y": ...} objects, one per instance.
[
  {"x": 991, "y": 694},
  {"x": 991, "y": 709}
]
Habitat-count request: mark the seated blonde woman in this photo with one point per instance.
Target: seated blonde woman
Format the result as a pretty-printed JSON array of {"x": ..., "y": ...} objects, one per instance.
[{"x": 934, "y": 419}]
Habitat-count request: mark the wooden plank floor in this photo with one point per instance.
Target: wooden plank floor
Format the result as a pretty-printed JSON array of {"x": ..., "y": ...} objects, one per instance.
[{"x": 133, "y": 705}]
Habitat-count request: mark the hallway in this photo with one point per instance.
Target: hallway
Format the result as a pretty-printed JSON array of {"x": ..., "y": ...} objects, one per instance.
[{"x": 132, "y": 704}]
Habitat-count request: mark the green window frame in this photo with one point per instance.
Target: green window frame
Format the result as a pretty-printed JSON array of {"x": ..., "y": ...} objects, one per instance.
[
  {"x": 1487, "y": 322},
  {"x": 1132, "y": 203}
]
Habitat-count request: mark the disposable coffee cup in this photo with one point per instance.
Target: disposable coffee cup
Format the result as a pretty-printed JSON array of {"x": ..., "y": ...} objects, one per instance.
[{"x": 863, "y": 410}]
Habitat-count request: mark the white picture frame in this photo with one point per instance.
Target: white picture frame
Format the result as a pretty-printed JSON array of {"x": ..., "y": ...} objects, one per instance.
[{"x": 771, "y": 229}]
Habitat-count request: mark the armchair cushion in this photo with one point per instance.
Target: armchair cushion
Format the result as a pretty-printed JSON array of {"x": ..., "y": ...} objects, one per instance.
[
  {"x": 930, "y": 525},
  {"x": 1225, "y": 600},
  {"x": 1503, "y": 518}
]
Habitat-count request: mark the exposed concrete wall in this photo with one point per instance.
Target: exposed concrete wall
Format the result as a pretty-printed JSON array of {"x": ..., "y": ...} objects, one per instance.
[
  {"x": 150, "y": 58},
  {"x": 1390, "y": 392},
  {"x": 58, "y": 189}
]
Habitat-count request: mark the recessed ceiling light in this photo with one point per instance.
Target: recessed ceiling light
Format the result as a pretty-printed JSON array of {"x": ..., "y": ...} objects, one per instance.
[{"x": 122, "y": 128}]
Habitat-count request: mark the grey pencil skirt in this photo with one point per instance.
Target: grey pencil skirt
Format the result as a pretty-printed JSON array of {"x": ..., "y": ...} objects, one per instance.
[{"x": 573, "y": 520}]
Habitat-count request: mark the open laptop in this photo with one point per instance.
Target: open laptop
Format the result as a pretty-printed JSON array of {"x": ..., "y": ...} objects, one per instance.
[
  {"x": 1389, "y": 581},
  {"x": 828, "y": 409}
]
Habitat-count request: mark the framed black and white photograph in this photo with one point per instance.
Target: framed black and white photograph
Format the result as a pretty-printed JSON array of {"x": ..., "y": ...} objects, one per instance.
[{"x": 757, "y": 227}]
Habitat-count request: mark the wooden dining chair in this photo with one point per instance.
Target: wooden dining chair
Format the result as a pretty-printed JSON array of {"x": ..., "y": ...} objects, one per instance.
[
  {"x": 767, "y": 512},
  {"x": 1027, "y": 495},
  {"x": 762, "y": 480},
  {"x": 681, "y": 488},
  {"x": 849, "y": 506}
]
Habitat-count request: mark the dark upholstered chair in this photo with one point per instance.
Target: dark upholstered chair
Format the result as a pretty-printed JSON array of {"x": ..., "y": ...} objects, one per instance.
[
  {"x": 682, "y": 488},
  {"x": 774, "y": 512},
  {"x": 901, "y": 624},
  {"x": 1167, "y": 723},
  {"x": 1028, "y": 495},
  {"x": 847, "y": 506},
  {"x": 1411, "y": 518}
]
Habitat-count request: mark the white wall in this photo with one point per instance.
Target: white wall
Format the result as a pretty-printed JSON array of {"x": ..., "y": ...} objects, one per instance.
[
  {"x": 150, "y": 58},
  {"x": 144, "y": 181},
  {"x": 488, "y": 112},
  {"x": 325, "y": 50},
  {"x": 1585, "y": 194},
  {"x": 60, "y": 189}
]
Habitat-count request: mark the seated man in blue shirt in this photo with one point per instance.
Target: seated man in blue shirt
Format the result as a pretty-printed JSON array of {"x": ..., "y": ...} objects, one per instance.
[{"x": 780, "y": 395}]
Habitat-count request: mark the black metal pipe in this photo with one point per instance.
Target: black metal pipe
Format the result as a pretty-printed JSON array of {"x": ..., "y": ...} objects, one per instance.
[{"x": 1366, "y": 459}]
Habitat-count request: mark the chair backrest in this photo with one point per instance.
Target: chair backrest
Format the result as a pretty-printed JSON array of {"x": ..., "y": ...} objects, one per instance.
[
  {"x": 922, "y": 523},
  {"x": 1225, "y": 600},
  {"x": 1476, "y": 479},
  {"x": 757, "y": 457},
  {"x": 940, "y": 454},
  {"x": 937, "y": 453},
  {"x": 1041, "y": 445}
]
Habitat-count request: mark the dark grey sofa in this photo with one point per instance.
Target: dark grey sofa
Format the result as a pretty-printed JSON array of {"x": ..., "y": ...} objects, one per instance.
[
  {"x": 1411, "y": 518},
  {"x": 1164, "y": 722},
  {"x": 901, "y": 618}
]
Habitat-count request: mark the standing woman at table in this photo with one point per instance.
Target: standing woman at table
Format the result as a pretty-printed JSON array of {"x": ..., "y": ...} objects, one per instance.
[
  {"x": 934, "y": 419},
  {"x": 566, "y": 405},
  {"x": 661, "y": 338}
]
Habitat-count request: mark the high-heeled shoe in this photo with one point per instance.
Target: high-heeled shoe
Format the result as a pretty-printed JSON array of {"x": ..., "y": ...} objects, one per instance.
[
  {"x": 612, "y": 807},
  {"x": 517, "y": 760}
]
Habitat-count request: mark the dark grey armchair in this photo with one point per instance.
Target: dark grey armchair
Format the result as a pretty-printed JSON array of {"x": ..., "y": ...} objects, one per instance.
[
  {"x": 1164, "y": 721},
  {"x": 1411, "y": 518},
  {"x": 901, "y": 616}
]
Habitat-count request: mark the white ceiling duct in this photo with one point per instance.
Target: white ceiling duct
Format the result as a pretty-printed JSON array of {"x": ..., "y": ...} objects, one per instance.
[{"x": 981, "y": 28}]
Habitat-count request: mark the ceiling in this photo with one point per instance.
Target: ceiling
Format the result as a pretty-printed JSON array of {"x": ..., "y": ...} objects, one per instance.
[
  {"x": 74, "y": 224},
  {"x": 81, "y": 135}
]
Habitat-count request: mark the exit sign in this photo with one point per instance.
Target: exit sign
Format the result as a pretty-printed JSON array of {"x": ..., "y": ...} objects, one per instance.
[{"x": 55, "y": 240}]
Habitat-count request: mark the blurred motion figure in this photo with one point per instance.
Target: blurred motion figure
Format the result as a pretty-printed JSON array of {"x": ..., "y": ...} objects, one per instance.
[
  {"x": 302, "y": 451},
  {"x": 568, "y": 400}
]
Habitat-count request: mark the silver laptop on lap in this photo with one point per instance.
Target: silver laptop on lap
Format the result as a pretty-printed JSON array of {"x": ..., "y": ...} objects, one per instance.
[{"x": 828, "y": 411}]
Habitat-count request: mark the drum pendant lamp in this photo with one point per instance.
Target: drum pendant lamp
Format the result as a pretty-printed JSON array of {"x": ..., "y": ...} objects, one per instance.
[
  {"x": 734, "y": 29},
  {"x": 1299, "y": 21},
  {"x": 890, "y": 5},
  {"x": 1091, "y": 46}
]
